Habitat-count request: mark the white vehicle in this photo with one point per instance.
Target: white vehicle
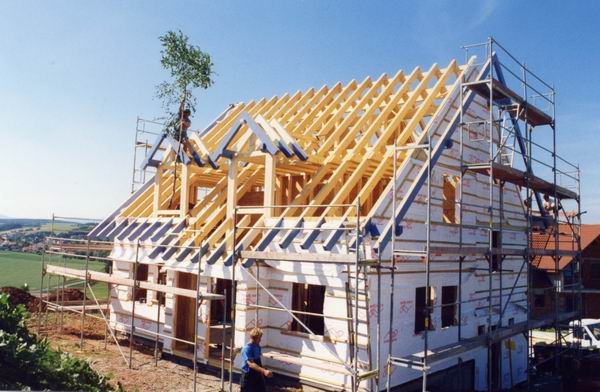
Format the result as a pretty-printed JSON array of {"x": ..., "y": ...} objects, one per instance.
[{"x": 586, "y": 335}]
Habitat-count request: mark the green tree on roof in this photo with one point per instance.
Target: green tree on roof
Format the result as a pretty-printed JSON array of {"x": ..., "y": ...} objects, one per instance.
[{"x": 190, "y": 68}]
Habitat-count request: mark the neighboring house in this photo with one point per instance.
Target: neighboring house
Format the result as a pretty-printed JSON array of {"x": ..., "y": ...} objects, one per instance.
[
  {"x": 590, "y": 244},
  {"x": 323, "y": 151},
  {"x": 545, "y": 273}
]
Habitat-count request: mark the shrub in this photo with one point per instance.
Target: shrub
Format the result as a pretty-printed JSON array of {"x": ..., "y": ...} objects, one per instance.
[{"x": 27, "y": 362}]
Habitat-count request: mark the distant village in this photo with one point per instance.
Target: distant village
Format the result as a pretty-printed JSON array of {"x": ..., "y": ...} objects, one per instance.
[{"x": 27, "y": 235}]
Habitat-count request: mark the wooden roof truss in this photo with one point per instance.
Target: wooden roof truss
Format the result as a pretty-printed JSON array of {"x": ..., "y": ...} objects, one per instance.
[{"x": 314, "y": 153}]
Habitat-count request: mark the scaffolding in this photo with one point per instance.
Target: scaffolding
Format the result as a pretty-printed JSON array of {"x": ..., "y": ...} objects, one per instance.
[
  {"x": 508, "y": 111},
  {"x": 87, "y": 251},
  {"x": 356, "y": 265},
  {"x": 146, "y": 131}
]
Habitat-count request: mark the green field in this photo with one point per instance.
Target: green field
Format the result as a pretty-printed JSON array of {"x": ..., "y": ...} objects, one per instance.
[
  {"x": 59, "y": 227},
  {"x": 17, "y": 268}
]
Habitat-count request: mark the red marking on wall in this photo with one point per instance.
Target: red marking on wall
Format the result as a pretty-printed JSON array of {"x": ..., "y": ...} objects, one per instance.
[
  {"x": 373, "y": 309},
  {"x": 287, "y": 325},
  {"x": 405, "y": 306},
  {"x": 250, "y": 299},
  {"x": 252, "y": 323},
  {"x": 393, "y": 335},
  {"x": 272, "y": 302}
]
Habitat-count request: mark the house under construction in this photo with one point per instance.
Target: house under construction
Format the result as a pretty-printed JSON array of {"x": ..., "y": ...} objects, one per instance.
[{"x": 378, "y": 231}]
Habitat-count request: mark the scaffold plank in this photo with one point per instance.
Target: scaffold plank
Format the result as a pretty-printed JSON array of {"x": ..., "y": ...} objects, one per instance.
[
  {"x": 519, "y": 177},
  {"x": 306, "y": 257},
  {"x": 108, "y": 278},
  {"x": 452, "y": 350},
  {"x": 500, "y": 92}
]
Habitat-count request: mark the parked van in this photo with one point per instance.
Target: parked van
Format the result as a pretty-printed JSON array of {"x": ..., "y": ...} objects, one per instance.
[{"x": 585, "y": 335}]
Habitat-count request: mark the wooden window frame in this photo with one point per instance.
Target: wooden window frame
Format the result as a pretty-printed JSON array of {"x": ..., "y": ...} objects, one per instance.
[
  {"x": 449, "y": 299},
  {"x": 308, "y": 298}
]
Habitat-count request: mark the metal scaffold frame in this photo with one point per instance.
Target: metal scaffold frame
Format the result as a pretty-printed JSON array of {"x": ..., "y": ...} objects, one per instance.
[
  {"x": 145, "y": 133},
  {"x": 354, "y": 263},
  {"x": 236, "y": 242},
  {"x": 530, "y": 187},
  {"x": 82, "y": 249}
]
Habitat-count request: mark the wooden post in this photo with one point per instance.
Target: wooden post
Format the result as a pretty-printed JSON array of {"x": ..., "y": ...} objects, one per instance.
[
  {"x": 270, "y": 183},
  {"x": 40, "y": 306},
  {"x": 157, "y": 179},
  {"x": 135, "y": 284},
  {"x": 184, "y": 200},
  {"x": 109, "y": 288},
  {"x": 158, "y": 294},
  {"x": 85, "y": 283},
  {"x": 231, "y": 196},
  {"x": 233, "y": 304},
  {"x": 223, "y": 341},
  {"x": 196, "y": 304}
]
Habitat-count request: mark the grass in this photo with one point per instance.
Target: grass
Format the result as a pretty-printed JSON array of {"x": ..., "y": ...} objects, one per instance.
[
  {"x": 59, "y": 228},
  {"x": 18, "y": 268}
]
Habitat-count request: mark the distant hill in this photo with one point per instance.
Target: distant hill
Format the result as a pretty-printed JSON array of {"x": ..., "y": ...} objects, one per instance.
[{"x": 7, "y": 224}]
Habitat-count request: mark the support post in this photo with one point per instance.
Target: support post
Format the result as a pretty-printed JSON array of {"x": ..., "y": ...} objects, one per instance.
[
  {"x": 356, "y": 297},
  {"x": 461, "y": 259},
  {"x": 106, "y": 329},
  {"x": 269, "y": 187},
  {"x": 427, "y": 261},
  {"x": 41, "y": 303},
  {"x": 223, "y": 342},
  {"x": 85, "y": 284},
  {"x": 378, "y": 379},
  {"x": 158, "y": 297},
  {"x": 491, "y": 211},
  {"x": 196, "y": 305},
  {"x": 184, "y": 201},
  {"x": 393, "y": 273},
  {"x": 231, "y": 195},
  {"x": 232, "y": 199},
  {"x": 133, "y": 293},
  {"x": 157, "y": 181}
]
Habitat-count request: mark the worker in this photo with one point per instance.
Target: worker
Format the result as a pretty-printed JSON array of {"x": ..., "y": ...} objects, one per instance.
[
  {"x": 184, "y": 120},
  {"x": 253, "y": 374},
  {"x": 549, "y": 206}
]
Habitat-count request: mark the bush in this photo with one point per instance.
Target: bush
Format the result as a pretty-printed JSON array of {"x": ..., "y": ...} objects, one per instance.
[{"x": 27, "y": 362}]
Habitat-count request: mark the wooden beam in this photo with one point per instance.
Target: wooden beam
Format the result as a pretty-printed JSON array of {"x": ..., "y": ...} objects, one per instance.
[
  {"x": 108, "y": 278},
  {"x": 300, "y": 257},
  {"x": 270, "y": 183}
]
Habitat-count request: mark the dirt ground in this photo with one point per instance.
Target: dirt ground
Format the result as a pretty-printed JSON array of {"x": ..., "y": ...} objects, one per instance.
[{"x": 144, "y": 375}]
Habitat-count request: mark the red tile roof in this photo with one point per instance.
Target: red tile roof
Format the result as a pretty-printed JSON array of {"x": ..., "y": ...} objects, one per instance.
[{"x": 566, "y": 241}]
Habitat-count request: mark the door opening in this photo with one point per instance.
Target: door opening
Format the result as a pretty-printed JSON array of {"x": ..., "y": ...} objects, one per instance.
[{"x": 184, "y": 313}]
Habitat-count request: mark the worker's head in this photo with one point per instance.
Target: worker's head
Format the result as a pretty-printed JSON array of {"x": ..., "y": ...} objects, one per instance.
[
  {"x": 256, "y": 334},
  {"x": 187, "y": 112},
  {"x": 546, "y": 198}
]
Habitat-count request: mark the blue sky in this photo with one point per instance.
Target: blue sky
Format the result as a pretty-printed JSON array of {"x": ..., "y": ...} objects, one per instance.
[{"x": 75, "y": 75}]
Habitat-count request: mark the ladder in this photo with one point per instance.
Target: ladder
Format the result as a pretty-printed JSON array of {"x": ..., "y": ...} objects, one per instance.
[{"x": 359, "y": 334}]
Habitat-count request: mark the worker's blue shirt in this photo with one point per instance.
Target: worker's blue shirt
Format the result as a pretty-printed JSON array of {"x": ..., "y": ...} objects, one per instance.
[{"x": 250, "y": 352}]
